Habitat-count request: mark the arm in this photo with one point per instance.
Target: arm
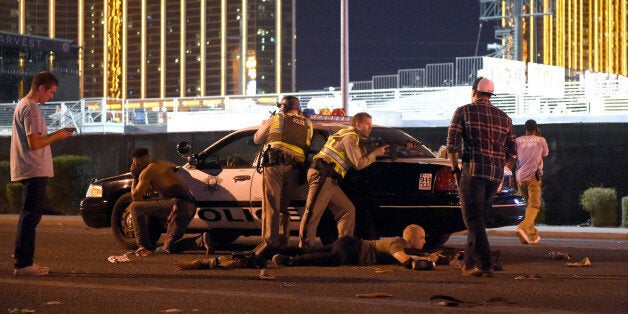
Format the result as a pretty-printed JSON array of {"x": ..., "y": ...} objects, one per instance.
[
  {"x": 262, "y": 133},
  {"x": 141, "y": 185},
  {"x": 36, "y": 141},
  {"x": 355, "y": 154}
]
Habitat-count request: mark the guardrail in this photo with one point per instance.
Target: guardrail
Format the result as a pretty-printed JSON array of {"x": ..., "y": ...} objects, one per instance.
[{"x": 606, "y": 100}]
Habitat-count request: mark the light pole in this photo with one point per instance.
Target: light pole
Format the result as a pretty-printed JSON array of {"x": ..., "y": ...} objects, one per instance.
[{"x": 344, "y": 53}]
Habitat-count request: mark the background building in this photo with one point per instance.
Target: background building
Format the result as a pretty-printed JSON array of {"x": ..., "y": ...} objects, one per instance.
[
  {"x": 174, "y": 48},
  {"x": 581, "y": 36}
]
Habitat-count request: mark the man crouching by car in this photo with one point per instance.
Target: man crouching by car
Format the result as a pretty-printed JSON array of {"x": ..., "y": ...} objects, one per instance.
[{"x": 177, "y": 205}]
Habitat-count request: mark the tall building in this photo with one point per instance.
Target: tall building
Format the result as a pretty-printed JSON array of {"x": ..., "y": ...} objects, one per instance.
[
  {"x": 174, "y": 48},
  {"x": 589, "y": 35}
]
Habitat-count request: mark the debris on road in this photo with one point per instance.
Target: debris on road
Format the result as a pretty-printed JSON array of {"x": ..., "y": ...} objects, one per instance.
[
  {"x": 119, "y": 258},
  {"x": 558, "y": 255},
  {"x": 265, "y": 275},
  {"x": 585, "y": 262},
  {"x": 373, "y": 295}
]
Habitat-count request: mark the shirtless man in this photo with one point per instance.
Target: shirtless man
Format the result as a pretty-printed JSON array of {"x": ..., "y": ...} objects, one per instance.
[{"x": 177, "y": 205}]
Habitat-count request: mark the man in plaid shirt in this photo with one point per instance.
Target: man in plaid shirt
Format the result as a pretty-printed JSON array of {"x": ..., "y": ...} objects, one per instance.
[{"x": 488, "y": 142}]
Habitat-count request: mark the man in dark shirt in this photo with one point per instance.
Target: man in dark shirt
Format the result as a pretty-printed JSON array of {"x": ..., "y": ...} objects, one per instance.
[
  {"x": 488, "y": 142},
  {"x": 351, "y": 250}
]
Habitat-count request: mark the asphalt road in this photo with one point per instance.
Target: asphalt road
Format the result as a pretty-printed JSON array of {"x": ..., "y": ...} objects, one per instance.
[{"x": 82, "y": 280}]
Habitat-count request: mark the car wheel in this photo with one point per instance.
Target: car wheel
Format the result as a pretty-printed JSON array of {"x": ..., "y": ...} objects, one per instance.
[
  {"x": 122, "y": 224},
  {"x": 436, "y": 240}
]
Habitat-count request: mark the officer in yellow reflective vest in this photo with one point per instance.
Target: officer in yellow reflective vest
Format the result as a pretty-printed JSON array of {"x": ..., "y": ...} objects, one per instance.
[
  {"x": 341, "y": 152},
  {"x": 286, "y": 137}
]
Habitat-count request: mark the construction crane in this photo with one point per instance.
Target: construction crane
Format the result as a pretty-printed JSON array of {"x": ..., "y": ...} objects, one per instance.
[{"x": 516, "y": 17}]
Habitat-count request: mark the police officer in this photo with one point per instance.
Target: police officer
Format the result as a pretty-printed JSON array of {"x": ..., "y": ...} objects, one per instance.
[
  {"x": 286, "y": 137},
  {"x": 341, "y": 152}
]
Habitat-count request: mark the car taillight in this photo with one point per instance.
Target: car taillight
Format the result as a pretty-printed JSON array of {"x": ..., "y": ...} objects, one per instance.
[{"x": 445, "y": 180}]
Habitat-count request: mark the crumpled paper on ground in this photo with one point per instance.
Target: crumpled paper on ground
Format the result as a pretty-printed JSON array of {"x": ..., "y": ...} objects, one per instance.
[
  {"x": 585, "y": 262},
  {"x": 119, "y": 258}
]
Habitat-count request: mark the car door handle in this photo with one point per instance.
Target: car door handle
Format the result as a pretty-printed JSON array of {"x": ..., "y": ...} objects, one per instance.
[{"x": 242, "y": 178}]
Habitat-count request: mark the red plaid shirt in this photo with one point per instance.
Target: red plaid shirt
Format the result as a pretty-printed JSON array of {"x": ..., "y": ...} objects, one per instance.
[{"x": 487, "y": 140}]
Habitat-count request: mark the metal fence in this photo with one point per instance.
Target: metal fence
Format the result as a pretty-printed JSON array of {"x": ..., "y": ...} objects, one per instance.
[{"x": 430, "y": 94}]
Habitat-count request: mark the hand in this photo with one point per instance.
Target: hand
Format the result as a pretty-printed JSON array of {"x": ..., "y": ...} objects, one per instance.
[
  {"x": 64, "y": 133},
  {"x": 380, "y": 151}
]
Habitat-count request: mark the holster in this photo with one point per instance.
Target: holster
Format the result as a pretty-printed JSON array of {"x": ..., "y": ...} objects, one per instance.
[{"x": 325, "y": 170}]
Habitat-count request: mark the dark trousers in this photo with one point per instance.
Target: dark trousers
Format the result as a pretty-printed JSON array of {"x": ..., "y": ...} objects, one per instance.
[
  {"x": 345, "y": 251},
  {"x": 33, "y": 197},
  {"x": 476, "y": 199}
]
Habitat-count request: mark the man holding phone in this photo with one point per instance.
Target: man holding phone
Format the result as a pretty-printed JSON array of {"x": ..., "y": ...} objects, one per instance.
[{"x": 31, "y": 164}]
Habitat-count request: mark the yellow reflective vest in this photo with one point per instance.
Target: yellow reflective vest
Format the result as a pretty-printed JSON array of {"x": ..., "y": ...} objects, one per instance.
[
  {"x": 291, "y": 133},
  {"x": 342, "y": 163}
]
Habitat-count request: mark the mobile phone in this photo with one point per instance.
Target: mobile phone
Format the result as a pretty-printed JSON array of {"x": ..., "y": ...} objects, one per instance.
[{"x": 70, "y": 129}]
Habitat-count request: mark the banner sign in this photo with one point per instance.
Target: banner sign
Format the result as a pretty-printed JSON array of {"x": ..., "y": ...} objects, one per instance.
[{"x": 60, "y": 47}]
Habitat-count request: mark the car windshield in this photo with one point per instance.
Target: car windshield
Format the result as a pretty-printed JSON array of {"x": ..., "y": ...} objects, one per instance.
[{"x": 401, "y": 144}]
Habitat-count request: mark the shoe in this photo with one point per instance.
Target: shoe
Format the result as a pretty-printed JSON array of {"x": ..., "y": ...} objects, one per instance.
[
  {"x": 536, "y": 241},
  {"x": 476, "y": 272},
  {"x": 207, "y": 243},
  {"x": 161, "y": 250},
  {"x": 281, "y": 260},
  {"x": 522, "y": 236},
  {"x": 33, "y": 270}
]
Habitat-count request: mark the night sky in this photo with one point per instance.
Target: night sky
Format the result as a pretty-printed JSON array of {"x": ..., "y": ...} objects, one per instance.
[{"x": 384, "y": 36}]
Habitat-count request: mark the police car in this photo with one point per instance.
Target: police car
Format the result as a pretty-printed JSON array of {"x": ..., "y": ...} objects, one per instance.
[{"x": 408, "y": 185}]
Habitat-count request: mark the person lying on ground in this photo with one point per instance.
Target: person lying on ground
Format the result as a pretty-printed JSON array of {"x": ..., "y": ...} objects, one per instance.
[{"x": 352, "y": 250}]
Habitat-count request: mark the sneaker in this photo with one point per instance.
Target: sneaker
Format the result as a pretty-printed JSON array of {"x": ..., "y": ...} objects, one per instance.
[
  {"x": 281, "y": 260},
  {"x": 207, "y": 243},
  {"x": 522, "y": 236},
  {"x": 476, "y": 272},
  {"x": 33, "y": 270},
  {"x": 536, "y": 241}
]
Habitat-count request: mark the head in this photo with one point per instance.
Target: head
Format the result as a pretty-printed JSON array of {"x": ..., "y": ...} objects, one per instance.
[
  {"x": 363, "y": 123},
  {"x": 43, "y": 87},
  {"x": 482, "y": 90},
  {"x": 414, "y": 236},
  {"x": 532, "y": 128},
  {"x": 289, "y": 104},
  {"x": 140, "y": 160}
]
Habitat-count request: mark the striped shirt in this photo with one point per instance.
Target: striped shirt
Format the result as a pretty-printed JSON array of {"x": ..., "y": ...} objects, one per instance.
[{"x": 487, "y": 139}]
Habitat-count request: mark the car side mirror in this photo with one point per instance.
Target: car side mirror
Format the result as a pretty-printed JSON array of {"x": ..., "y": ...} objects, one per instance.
[{"x": 184, "y": 148}]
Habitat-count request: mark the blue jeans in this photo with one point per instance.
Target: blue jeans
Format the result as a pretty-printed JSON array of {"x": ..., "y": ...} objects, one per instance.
[
  {"x": 476, "y": 199},
  {"x": 33, "y": 197}
]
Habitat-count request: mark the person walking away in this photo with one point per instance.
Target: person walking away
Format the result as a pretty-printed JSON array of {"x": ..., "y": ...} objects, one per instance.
[
  {"x": 531, "y": 150},
  {"x": 341, "y": 152},
  {"x": 286, "y": 138},
  {"x": 177, "y": 205},
  {"x": 487, "y": 139},
  {"x": 31, "y": 165}
]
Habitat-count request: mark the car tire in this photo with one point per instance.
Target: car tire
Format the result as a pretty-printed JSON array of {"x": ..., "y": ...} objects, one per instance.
[{"x": 122, "y": 224}]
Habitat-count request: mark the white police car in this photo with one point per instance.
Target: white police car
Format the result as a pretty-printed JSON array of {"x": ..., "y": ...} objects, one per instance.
[{"x": 410, "y": 185}]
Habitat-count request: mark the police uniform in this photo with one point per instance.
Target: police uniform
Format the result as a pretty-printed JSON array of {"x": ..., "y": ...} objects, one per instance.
[
  {"x": 286, "y": 138},
  {"x": 341, "y": 152}
]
